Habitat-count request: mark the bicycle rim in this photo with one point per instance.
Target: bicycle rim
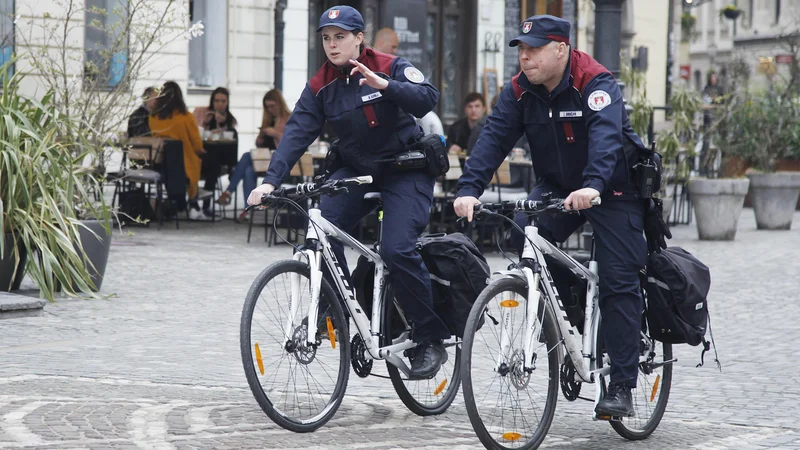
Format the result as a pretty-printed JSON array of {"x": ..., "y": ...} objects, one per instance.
[
  {"x": 509, "y": 408},
  {"x": 299, "y": 387},
  {"x": 422, "y": 397}
]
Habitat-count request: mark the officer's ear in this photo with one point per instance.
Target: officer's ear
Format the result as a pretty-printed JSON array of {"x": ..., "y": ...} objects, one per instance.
[{"x": 562, "y": 49}]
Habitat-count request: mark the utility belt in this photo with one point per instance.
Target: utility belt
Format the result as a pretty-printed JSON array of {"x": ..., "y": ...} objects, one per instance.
[{"x": 425, "y": 154}]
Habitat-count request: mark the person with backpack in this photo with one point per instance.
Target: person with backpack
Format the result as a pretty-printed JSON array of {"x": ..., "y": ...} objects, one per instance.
[
  {"x": 371, "y": 100},
  {"x": 582, "y": 147}
]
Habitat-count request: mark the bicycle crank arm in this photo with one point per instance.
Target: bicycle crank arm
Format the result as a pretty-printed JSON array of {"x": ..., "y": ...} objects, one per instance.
[{"x": 662, "y": 364}]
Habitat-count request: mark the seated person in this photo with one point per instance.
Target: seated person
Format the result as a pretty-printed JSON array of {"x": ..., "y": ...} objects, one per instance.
[
  {"x": 218, "y": 119},
  {"x": 459, "y": 133},
  {"x": 138, "y": 123},
  {"x": 172, "y": 120},
  {"x": 274, "y": 118}
]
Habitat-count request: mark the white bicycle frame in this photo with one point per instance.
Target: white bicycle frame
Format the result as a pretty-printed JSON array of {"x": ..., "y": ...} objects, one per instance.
[
  {"x": 320, "y": 229},
  {"x": 582, "y": 352}
]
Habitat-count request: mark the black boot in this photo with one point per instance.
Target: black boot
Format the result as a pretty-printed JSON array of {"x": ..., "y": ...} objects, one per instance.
[
  {"x": 617, "y": 402},
  {"x": 428, "y": 359}
]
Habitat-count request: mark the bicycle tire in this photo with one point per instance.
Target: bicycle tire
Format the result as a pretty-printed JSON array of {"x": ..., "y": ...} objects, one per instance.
[
  {"x": 519, "y": 287},
  {"x": 663, "y": 387},
  {"x": 298, "y": 426},
  {"x": 451, "y": 384}
]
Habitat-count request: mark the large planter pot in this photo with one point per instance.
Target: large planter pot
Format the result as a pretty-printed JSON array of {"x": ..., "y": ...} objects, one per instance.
[
  {"x": 774, "y": 197},
  {"x": 97, "y": 249},
  {"x": 717, "y": 206},
  {"x": 8, "y": 265}
]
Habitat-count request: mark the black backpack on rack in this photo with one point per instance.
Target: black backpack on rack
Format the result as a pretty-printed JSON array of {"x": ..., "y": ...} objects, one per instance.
[{"x": 677, "y": 286}]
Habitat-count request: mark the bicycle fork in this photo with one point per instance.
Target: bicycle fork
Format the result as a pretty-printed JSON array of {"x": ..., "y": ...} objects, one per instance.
[
  {"x": 531, "y": 324},
  {"x": 314, "y": 260}
]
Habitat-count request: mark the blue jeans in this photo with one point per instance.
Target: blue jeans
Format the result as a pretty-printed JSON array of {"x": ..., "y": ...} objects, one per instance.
[{"x": 243, "y": 172}]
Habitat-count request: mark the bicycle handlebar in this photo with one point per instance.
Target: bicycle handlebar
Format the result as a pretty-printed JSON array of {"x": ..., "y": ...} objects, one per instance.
[
  {"x": 311, "y": 190},
  {"x": 528, "y": 206}
]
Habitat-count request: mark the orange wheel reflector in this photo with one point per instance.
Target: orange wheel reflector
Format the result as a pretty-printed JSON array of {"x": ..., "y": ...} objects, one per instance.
[
  {"x": 509, "y": 303},
  {"x": 440, "y": 388},
  {"x": 259, "y": 360},
  {"x": 512, "y": 436},
  {"x": 655, "y": 388},
  {"x": 331, "y": 332}
]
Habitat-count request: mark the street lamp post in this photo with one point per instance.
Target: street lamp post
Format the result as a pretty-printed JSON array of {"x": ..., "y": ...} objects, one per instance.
[{"x": 608, "y": 34}]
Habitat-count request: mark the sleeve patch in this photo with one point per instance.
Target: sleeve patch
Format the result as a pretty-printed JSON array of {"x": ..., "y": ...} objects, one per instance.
[
  {"x": 413, "y": 75},
  {"x": 599, "y": 100}
]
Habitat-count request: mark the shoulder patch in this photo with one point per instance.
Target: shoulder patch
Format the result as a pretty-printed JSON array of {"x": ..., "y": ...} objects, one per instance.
[
  {"x": 413, "y": 75},
  {"x": 599, "y": 100}
]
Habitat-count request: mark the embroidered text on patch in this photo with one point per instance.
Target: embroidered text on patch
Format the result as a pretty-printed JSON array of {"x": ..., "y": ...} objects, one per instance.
[
  {"x": 599, "y": 100},
  {"x": 372, "y": 96},
  {"x": 413, "y": 75},
  {"x": 570, "y": 114}
]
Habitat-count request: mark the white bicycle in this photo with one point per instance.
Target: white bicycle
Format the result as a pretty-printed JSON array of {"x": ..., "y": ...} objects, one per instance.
[
  {"x": 519, "y": 333},
  {"x": 297, "y": 355}
]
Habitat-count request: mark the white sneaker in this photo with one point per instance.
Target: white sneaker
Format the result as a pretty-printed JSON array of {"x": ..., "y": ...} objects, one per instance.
[{"x": 196, "y": 214}]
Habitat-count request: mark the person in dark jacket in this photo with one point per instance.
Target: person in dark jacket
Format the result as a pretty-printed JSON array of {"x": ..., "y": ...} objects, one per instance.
[
  {"x": 582, "y": 147},
  {"x": 138, "y": 121},
  {"x": 371, "y": 100},
  {"x": 458, "y": 135}
]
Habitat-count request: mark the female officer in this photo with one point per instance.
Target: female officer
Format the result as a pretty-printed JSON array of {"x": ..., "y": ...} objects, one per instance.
[{"x": 371, "y": 99}]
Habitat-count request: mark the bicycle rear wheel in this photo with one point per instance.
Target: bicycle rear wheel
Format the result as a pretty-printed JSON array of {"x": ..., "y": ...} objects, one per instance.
[
  {"x": 509, "y": 407},
  {"x": 652, "y": 387},
  {"x": 298, "y": 386},
  {"x": 422, "y": 397}
]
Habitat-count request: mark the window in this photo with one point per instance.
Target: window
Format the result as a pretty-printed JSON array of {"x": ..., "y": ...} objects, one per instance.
[
  {"x": 208, "y": 53},
  {"x": 7, "y": 32},
  {"x": 106, "y": 42}
]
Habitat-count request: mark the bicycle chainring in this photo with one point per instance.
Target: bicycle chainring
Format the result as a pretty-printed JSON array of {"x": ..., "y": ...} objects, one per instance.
[
  {"x": 358, "y": 357},
  {"x": 569, "y": 387}
]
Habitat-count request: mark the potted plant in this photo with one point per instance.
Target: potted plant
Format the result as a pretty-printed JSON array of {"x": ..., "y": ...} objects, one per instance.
[
  {"x": 766, "y": 132},
  {"x": 731, "y": 12},
  {"x": 688, "y": 22},
  {"x": 40, "y": 180}
]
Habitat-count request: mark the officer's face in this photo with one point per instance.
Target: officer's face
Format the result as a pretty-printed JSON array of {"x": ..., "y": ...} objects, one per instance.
[
  {"x": 541, "y": 64},
  {"x": 341, "y": 45}
]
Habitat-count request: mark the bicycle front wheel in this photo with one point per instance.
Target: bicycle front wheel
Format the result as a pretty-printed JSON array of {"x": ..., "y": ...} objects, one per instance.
[
  {"x": 509, "y": 406},
  {"x": 422, "y": 397},
  {"x": 298, "y": 385}
]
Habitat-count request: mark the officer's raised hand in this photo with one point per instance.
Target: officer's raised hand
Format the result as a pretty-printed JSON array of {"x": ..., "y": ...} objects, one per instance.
[
  {"x": 581, "y": 199},
  {"x": 465, "y": 206},
  {"x": 370, "y": 79}
]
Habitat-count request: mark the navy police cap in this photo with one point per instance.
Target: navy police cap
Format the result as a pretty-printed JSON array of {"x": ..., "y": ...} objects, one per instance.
[
  {"x": 344, "y": 17},
  {"x": 540, "y": 30}
]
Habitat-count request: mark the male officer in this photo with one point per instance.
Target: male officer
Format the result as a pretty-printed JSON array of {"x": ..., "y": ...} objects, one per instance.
[{"x": 582, "y": 147}]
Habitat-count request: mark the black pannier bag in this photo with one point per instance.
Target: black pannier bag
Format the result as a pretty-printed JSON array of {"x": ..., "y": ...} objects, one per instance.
[
  {"x": 459, "y": 272},
  {"x": 677, "y": 287}
]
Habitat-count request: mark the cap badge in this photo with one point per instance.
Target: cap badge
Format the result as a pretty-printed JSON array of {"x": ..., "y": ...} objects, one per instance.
[
  {"x": 332, "y": 14},
  {"x": 526, "y": 27}
]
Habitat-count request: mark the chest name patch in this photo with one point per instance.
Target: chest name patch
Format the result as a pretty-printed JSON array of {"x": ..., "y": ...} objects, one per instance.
[
  {"x": 570, "y": 114},
  {"x": 414, "y": 75},
  {"x": 372, "y": 96},
  {"x": 599, "y": 100}
]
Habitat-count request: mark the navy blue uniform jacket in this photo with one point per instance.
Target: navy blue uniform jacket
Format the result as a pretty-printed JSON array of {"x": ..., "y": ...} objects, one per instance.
[
  {"x": 371, "y": 124},
  {"x": 579, "y": 134}
]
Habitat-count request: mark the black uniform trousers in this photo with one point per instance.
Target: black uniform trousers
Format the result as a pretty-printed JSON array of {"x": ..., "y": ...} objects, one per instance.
[
  {"x": 407, "y": 199},
  {"x": 621, "y": 251}
]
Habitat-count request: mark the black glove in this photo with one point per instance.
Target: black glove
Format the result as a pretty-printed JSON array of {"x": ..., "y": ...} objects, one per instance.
[{"x": 655, "y": 230}]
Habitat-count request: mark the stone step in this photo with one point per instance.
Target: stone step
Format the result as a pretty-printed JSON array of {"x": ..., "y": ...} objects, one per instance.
[{"x": 13, "y": 306}]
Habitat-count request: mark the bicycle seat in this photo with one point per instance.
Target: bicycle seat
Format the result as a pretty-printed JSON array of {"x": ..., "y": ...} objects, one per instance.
[{"x": 372, "y": 196}]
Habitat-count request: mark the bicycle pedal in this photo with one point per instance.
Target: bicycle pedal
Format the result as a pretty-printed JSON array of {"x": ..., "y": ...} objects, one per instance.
[{"x": 609, "y": 418}]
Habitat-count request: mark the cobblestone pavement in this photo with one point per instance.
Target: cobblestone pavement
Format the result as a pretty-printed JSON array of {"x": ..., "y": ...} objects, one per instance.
[{"x": 158, "y": 364}]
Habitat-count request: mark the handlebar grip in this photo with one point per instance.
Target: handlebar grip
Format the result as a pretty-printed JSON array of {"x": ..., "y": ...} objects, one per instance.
[
  {"x": 366, "y": 179},
  {"x": 595, "y": 201}
]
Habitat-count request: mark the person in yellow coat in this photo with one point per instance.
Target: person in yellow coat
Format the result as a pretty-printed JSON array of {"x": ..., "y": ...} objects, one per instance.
[{"x": 172, "y": 120}]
